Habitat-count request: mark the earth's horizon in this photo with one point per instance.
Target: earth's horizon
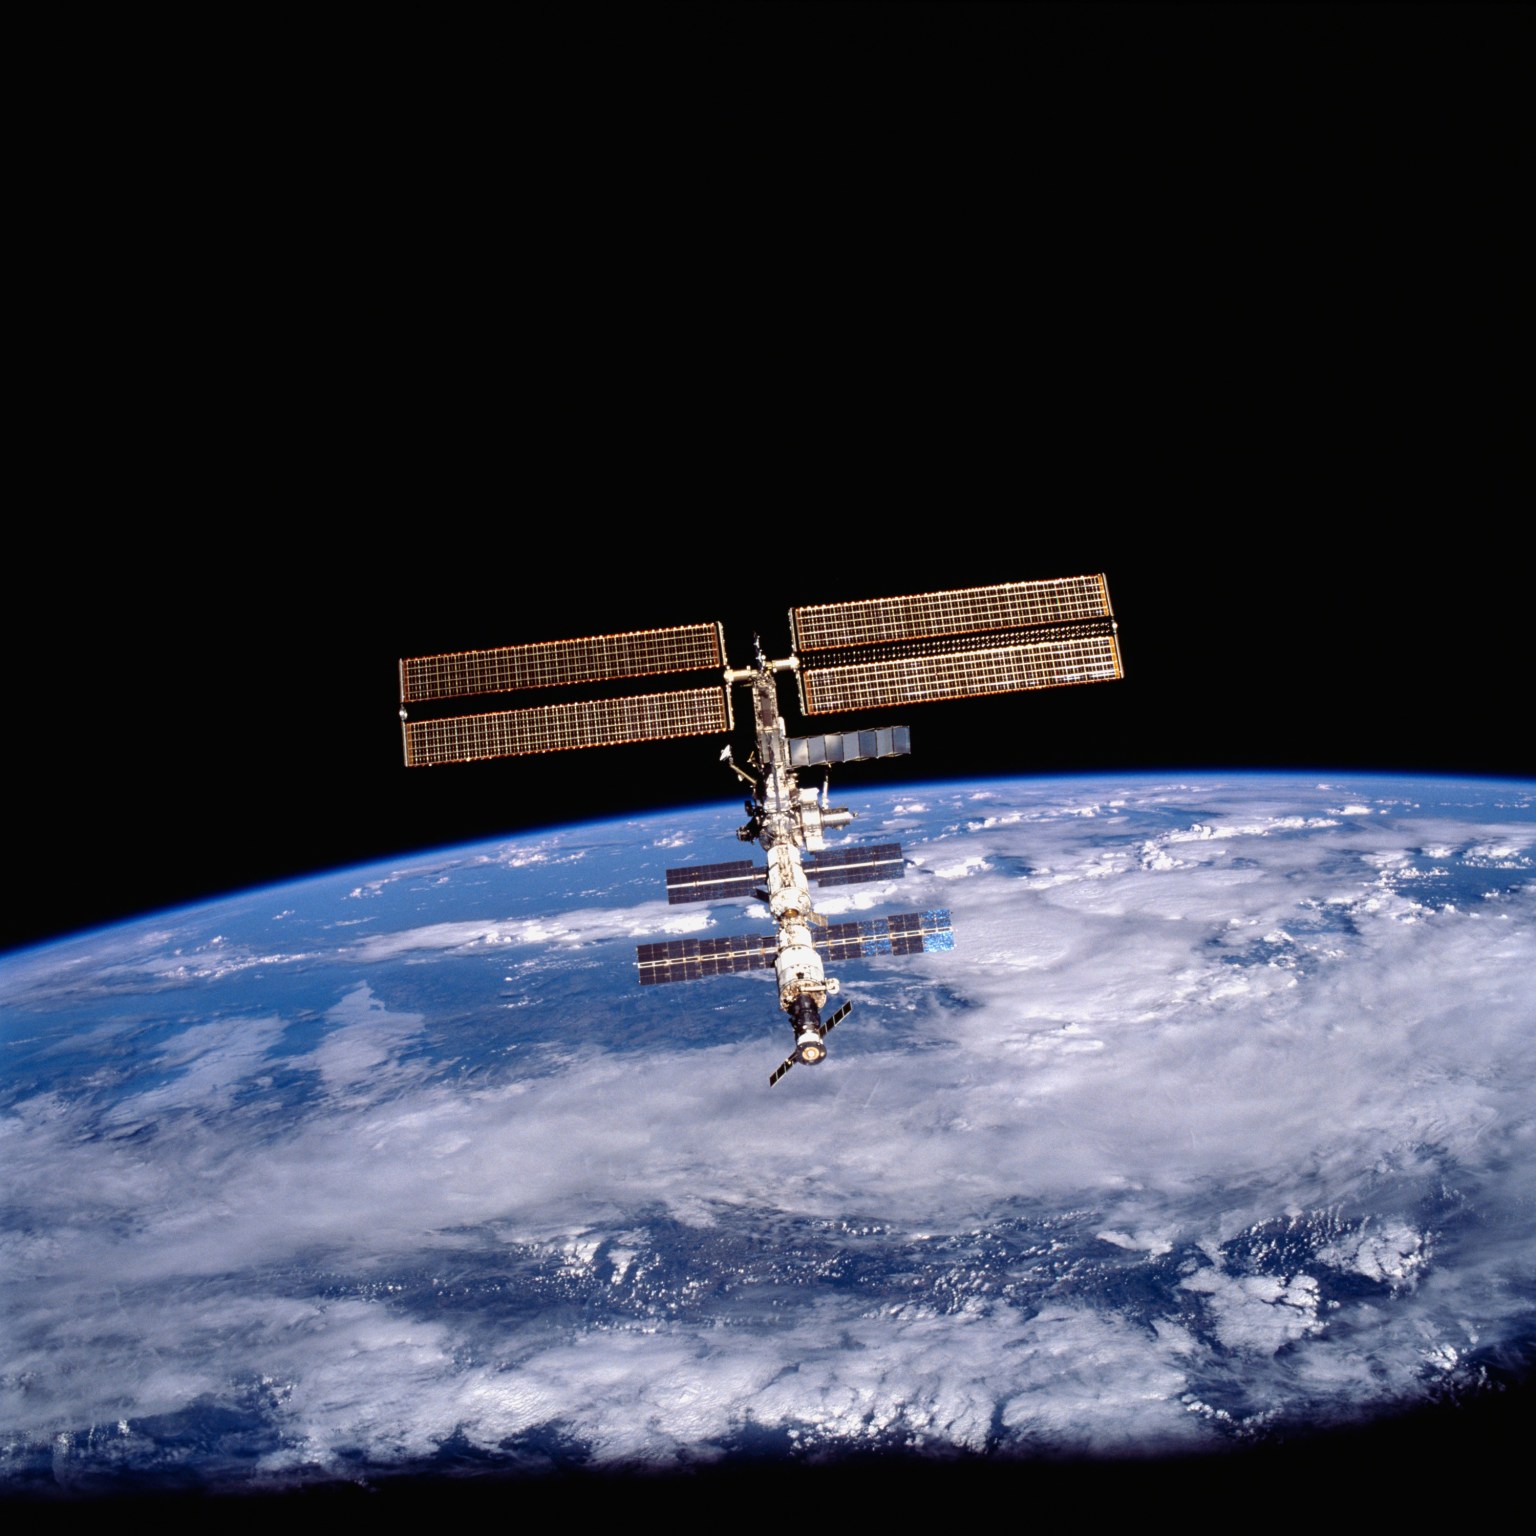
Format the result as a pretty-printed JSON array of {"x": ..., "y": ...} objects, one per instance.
[{"x": 1213, "y": 1131}]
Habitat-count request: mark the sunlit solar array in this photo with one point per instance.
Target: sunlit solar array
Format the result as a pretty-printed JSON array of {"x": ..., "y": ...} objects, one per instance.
[
  {"x": 558, "y": 727},
  {"x": 969, "y": 610},
  {"x": 553, "y": 663},
  {"x": 908, "y": 933},
  {"x": 922, "y": 679}
]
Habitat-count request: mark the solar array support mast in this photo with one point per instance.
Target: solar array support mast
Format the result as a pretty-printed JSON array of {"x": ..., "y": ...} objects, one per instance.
[{"x": 872, "y": 653}]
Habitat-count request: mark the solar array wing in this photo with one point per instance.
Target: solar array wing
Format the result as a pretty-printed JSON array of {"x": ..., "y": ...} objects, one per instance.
[
  {"x": 712, "y": 882},
  {"x": 856, "y": 866},
  {"x": 560, "y": 727},
  {"x": 965, "y": 611},
  {"x": 909, "y": 933},
  {"x": 955, "y": 644},
  {"x": 741, "y": 877},
  {"x": 555, "y": 663},
  {"x": 877, "y": 683},
  {"x": 691, "y": 959}
]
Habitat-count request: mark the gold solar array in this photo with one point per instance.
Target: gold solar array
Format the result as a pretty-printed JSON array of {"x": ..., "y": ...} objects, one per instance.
[
  {"x": 869, "y": 653},
  {"x": 923, "y": 679},
  {"x": 560, "y": 727},
  {"x": 554, "y": 663},
  {"x": 969, "y": 610},
  {"x": 956, "y": 644}
]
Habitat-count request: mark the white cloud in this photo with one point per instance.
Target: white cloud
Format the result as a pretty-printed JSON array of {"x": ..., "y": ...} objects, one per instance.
[
  {"x": 973, "y": 864},
  {"x": 1261, "y": 1313},
  {"x": 570, "y": 929},
  {"x": 1180, "y": 1051}
]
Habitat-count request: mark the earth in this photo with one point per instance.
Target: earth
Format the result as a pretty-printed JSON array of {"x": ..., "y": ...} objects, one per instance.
[{"x": 1215, "y": 1126}]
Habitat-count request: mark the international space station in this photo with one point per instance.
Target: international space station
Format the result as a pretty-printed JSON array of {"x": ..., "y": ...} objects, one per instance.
[{"x": 866, "y": 654}]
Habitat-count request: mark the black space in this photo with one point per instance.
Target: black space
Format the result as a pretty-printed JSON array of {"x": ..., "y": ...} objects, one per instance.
[
  {"x": 215, "y": 709},
  {"x": 385, "y": 345},
  {"x": 1224, "y": 305}
]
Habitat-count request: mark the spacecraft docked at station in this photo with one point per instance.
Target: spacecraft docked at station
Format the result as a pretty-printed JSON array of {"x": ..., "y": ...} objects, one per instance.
[{"x": 871, "y": 653}]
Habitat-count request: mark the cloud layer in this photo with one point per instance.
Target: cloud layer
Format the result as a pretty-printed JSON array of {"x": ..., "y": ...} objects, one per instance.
[{"x": 1219, "y": 1114}]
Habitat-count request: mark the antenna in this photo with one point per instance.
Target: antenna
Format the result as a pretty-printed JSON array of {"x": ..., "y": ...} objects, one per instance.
[{"x": 871, "y": 653}]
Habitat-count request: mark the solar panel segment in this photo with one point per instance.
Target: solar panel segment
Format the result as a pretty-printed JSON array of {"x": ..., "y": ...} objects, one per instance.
[
  {"x": 554, "y": 663},
  {"x": 877, "y": 684},
  {"x": 712, "y": 882},
  {"x": 856, "y": 866},
  {"x": 908, "y": 933},
  {"x": 966, "y": 611},
  {"x": 692, "y": 959},
  {"x": 741, "y": 877},
  {"x": 560, "y": 727}
]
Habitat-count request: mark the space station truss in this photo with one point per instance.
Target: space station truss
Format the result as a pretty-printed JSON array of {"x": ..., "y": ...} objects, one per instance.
[
  {"x": 908, "y": 933},
  {"x": 956, "y": 644},
  {"x": 557, "y": 663},
  {"x": 561, "y": 727}
]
